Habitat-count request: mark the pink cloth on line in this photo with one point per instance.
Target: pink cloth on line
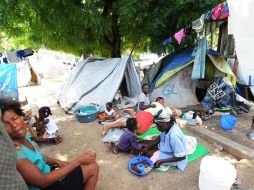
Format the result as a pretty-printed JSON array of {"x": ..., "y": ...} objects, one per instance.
[
  {"x": 216, "y": 11},
  {"x": 179, "y": 35}
]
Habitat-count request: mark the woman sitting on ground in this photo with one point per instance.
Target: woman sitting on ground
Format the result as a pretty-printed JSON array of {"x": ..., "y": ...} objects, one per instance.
[
  {"x": 35, "y": 168},
  {"x": 169, "y": 149}
]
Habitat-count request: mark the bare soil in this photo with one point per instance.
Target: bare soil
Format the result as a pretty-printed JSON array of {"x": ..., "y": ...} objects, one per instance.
[
  {"x": 114, "y": 174},
  {"x": 238, "y": 133}
]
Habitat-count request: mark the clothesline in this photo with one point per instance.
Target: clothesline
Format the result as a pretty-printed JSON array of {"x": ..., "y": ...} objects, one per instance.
[{"x": 220, "y": 12}]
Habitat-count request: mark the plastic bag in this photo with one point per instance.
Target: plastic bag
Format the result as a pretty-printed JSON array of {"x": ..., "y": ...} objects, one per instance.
[{"x": 191, "y": 144}]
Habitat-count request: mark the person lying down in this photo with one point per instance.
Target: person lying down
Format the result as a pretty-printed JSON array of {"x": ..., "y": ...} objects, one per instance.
[{"x": 144, "y": 118}]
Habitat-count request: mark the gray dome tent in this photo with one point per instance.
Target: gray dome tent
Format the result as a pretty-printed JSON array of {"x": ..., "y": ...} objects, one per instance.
[{"x": 97, "y": 80}]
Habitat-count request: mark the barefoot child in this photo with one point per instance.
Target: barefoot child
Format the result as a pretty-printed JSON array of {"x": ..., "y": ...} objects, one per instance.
[
  {"x": 128, "y": 140},
  {"x": 46, "y": 127},
  {"x": 110, "y": 114}
]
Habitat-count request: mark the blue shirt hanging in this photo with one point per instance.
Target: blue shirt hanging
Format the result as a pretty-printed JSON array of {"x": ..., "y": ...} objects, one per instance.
[{"x": 167, "y": 41}]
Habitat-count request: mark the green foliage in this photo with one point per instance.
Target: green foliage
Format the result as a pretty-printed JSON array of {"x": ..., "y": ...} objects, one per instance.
[{"x": 91, "y": 26}]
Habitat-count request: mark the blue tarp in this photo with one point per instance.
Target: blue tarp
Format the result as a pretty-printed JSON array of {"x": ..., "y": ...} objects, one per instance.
[
  {"x": 213, "y": 52},
  {"x": 198, "y": 71},
  {"x": 173, "y": 61},
  {"x": 8, "y": 81}
]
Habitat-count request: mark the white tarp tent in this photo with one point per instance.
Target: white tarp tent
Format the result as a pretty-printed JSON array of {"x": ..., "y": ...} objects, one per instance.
[
  {"x": 48, "y": 68},
  {"x": 97, "y": 80},
  {"x": 26, "y": 75},
  {"x": 240, "y": 24},
  {"x": 23, "y": 73},
  {"x": 178, "y": 91}
]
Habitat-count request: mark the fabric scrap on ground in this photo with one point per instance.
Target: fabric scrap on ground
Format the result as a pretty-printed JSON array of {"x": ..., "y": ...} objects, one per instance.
[{"x": 113, "y": 135}]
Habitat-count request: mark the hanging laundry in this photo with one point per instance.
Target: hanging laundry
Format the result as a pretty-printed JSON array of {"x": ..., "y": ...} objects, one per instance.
[
  {"x": 179, "y": 35},
  {"x": 167, "y": 41},
  {"x": 224, "y": 12},
  {"x": 217, "y": 11},
  {"x": 198, "y": 24},
  {"x": 208, "y": 15},
  {"x": 198, "y": 71},
  {"x": 20, "y": 54}
]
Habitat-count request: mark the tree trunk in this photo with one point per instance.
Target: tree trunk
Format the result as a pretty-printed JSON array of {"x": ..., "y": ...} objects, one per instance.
[
  {"x": 116, "y": 47},
  {"x": 116, "y": 42},
  {"x": 113, "y": 42}
]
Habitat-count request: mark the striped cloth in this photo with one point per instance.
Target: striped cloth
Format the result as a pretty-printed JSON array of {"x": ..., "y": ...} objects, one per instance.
[{"x": 9, "y": 177}]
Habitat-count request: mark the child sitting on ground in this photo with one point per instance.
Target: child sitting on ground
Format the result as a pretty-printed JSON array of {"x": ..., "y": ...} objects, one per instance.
[
  {"x": 46, "y": 128},
  {"x": 128, "y": 140},
  {"x": 110, "y": 114}
]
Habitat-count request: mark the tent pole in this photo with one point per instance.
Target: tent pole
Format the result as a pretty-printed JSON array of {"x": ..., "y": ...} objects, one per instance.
[
  {"x": 219, "y": 40},
  {"x": 211, "y": 37},
  {"x": 134, "y": 47}
]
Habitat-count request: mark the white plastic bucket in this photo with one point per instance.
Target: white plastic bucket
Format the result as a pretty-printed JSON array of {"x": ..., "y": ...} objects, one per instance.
[{"x": 216, "y": 174}]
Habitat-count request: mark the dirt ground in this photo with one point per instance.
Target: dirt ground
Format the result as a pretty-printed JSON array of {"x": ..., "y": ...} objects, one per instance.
[
  {"x": 114, "y": 174},
  {"x": 238, "y": 133}
]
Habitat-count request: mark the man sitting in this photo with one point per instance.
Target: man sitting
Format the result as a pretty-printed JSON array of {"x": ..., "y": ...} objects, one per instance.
[{"x": 144, "y": 101}]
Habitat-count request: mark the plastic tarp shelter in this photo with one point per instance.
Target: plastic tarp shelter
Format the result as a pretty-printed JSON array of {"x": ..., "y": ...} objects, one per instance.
[
  {"x": 24, "y": 75},
  {"x": 178, "y": 91},
  {"x": 8, "y": 81},
  {"x": 170, "y": 62},
  {"x": 173, "y": 80},
  {"x": 97, "y": 80}
]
